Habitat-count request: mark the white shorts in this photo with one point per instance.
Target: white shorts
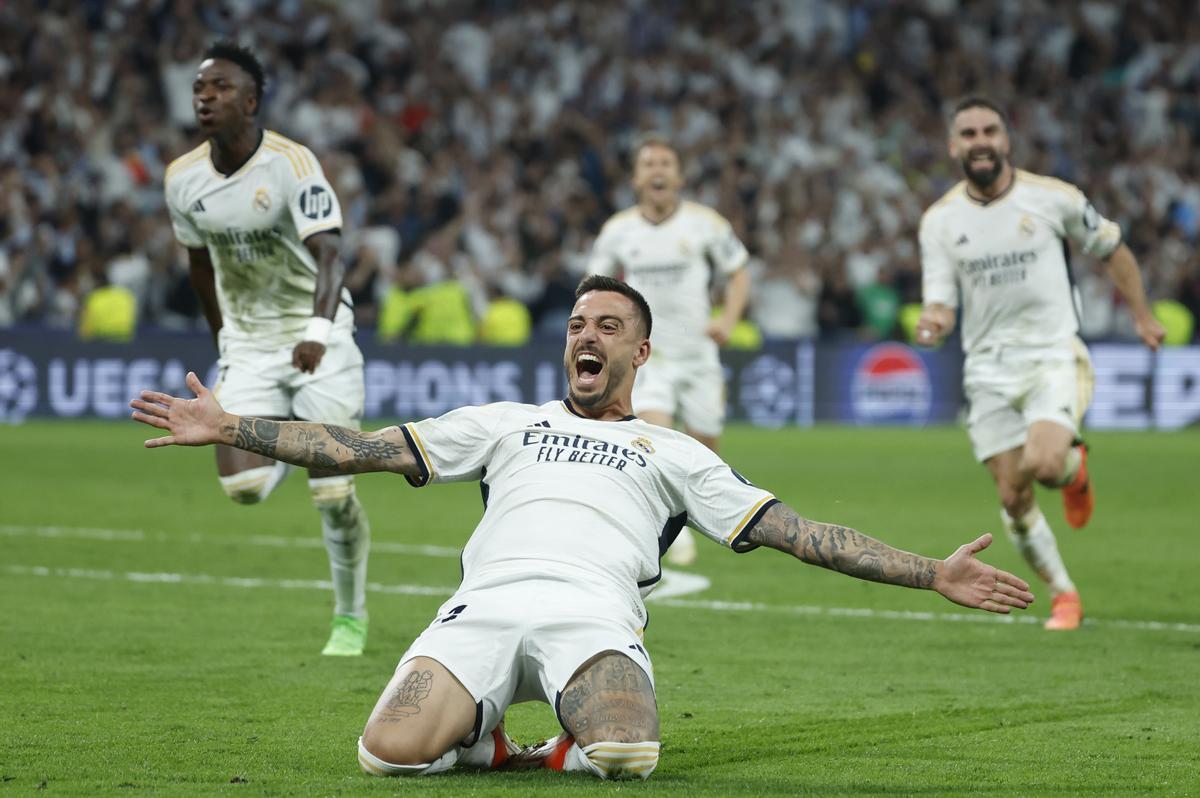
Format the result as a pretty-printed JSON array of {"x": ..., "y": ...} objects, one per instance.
[
  {"x": 1009, "y": 388},
  {"x": 263, "y": 382},
  {"x": 524, "y": 642},
  {"x": 692, "y": 388}
]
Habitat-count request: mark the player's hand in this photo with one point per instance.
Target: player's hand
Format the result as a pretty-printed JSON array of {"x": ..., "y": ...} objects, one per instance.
[
  {"x": 1151, "y": 331},
  {"x": 191, "y": 422},
  {"x": 720, "y": 331},
  {"x": 930, "y": 330},
  {"x": 307, "y": 356},
  {"x": 973, "y": 583}
]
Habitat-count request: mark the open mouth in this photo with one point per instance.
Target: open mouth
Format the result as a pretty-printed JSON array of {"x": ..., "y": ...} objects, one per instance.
[
  {"x": 588, "y": 367},
  {"x": 204, "y": 115},
  {"x": 987, "y": 157}
]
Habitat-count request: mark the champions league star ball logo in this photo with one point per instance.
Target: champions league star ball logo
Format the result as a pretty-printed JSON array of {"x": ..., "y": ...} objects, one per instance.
[
  {"x": 18, "y": 386},
  {"x": 891, "y": 386}
]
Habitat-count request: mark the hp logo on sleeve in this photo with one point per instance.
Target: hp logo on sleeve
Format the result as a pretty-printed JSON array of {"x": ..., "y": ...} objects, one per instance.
[{"x": 316, "y": 202}]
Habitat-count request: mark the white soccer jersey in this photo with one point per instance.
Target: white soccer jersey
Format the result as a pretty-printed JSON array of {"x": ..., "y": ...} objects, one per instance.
[
  {"x": 570, "y": 498},
  {"x": 671, "y": 264},
  {"x": 254, "y": 223},
  {"x": 1007, "y": 258}
]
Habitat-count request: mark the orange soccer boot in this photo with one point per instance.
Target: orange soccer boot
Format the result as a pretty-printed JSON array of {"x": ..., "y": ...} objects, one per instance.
[
  {"x": 1066, "y": 613},
  {"x": 1078, "y": 498},
  {"x": 550, "y": 754}
]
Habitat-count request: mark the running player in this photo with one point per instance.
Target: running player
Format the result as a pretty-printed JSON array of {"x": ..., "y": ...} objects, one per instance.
[
  {"x": 262, "y": 229},
  {"x": 998, "y": 241},
  {"x": 671, "y": 250},
  {"x": 579, "y": 496}
]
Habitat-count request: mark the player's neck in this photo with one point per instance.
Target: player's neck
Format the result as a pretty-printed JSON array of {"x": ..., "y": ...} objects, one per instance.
[
  {"x": 997, "y": 187},
  {"x": 656, "y": 213},
  {"x": 615, "y": 410},
  {"x": 231, "y": 150}
]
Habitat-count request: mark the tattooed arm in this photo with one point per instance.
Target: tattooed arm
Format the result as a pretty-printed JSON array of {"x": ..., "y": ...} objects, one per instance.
[
  {"x": 960, "y": 578},
  {"x": 202, "y": 421}
]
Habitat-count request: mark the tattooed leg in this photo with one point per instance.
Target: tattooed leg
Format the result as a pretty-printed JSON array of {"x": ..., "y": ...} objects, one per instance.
[
  {"x": 422, "y": 714},
  {"x": 609, "y": 699}
]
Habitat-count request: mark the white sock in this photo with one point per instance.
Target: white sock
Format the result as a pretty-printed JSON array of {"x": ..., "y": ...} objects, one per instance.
[
  {"x": 479, "y": 755},
  {"x": 614, "y": 760},
  {"x": 1033, "y": 538},
  {"x": 347, "y": 537},
  {"x": 376, "y": 766},
  {"x": 1071, "y": 467}
]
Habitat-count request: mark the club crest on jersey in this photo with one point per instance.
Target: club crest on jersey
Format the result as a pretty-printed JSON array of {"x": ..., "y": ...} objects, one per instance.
[
  {"x": 1026, "y": 226},
  {"x": 262, "y": 200},
  {"x": 642, "y": 444}
]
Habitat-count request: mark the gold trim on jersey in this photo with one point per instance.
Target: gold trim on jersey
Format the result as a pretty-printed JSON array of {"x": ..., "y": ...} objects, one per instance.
[
  {"x": 746, "y": 519},
  {"x": 294, "y": 151},
  {"x": 186, "y": 160},
  {"x": 412, "y": 430},
  {"x": 1044, "y": 181},
  {"x": 309, "y": 232}
]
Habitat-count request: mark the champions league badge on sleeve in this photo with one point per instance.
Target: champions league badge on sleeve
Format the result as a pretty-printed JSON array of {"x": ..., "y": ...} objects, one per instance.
[{"x": 890, "y": 385}]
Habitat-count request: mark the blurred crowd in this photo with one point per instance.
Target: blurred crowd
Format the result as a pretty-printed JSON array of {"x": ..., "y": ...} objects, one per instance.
[{"x": 480, "y": 144}]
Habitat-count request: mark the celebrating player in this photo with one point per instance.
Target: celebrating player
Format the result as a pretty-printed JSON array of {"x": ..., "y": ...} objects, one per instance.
[
  {"x": 997, "y": 239},
  {"x": 668, "y": 250},
  {"x": 262, "y": 229},
  {"x": 580, "y": 496}
]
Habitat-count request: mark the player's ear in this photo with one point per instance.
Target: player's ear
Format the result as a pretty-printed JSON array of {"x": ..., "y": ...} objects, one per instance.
[{"x": 642, "y": 353}]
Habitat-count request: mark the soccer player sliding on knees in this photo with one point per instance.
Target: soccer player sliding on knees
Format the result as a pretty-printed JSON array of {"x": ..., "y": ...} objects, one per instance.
[{"x": 579, "y": 495}]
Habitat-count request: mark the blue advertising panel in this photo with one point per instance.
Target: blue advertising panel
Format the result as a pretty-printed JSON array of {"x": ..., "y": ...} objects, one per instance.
[{"x": 45, "y": 374}]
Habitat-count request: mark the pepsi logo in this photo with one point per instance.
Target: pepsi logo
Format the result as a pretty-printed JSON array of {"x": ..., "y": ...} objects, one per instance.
[{"x": 891, "y": 385}]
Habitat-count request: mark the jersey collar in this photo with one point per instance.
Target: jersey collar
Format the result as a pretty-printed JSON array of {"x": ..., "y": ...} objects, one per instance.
[
  {"x": 262, "y": 137},
  {"x": 571, "y": 409},
  {"x": 983, "y": 203}
]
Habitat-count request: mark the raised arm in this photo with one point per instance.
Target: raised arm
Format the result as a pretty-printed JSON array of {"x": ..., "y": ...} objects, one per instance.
[
  {"x": 960, "y": 577},
  {"x": 202, "y": 421}
]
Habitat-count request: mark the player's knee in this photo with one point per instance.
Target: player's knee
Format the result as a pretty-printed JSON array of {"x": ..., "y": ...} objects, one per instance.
[
  {"x": 250, "y": 486},
  {"x": 379, "y": 751},
  {"x": 622, "y": 760},
  {"x": 333, "y": 494},
  {"x": 1048, "y": 470}
]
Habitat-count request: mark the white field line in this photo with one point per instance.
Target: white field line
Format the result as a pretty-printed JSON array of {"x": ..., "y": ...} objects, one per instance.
[
  {"x": 138, "y": 535},
  {"x": 673, "y": 583},
  {"x": 697, "y": 604}
]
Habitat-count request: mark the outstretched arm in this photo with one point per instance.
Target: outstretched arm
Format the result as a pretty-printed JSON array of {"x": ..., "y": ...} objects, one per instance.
[
  {"x": 960, "y": 577},
  {"x": 202, "y": 421}
]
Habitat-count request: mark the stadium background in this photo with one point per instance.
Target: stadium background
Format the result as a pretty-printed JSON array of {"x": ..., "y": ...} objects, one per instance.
[
  {"x": 156, "y": 637},
  {"x": 477, "y": 147}
]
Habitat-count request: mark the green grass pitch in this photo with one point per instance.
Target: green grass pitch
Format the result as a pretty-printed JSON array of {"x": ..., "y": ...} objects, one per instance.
[{"x": 156, "y": 638}]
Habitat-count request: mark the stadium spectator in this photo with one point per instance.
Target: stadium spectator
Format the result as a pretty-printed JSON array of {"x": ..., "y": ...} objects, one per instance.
[{"x": 572, "y": 535}]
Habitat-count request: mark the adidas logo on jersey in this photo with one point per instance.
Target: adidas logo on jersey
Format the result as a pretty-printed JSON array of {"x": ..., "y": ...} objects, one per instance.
[
  {"x": 962, "y": 239},
  {"x": 541, "y": 424},
  {"x": 198, "y": 206}
]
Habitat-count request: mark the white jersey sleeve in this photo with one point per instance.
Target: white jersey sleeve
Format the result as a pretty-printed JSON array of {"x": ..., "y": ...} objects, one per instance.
[
  {"x": 725, "y": 250},
  {"x": 603, "y": 259},
  {"x": 939, "y": 280},
  {"x": 454, "y": 447},
  {"x": 186, "y": 233},
  {"x": 311, "y": 200},
  {"x": 721, "y": 503},
  {"x": 1094, "y": 234}
]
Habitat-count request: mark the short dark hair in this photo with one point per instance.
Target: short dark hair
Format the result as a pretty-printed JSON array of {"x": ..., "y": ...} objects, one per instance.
[
  {"x": 652, "y": 138},
  {"x": 978, "y": 101},
  {"x": 597, "y": 282},
  {"x": 229, "y": 51}
]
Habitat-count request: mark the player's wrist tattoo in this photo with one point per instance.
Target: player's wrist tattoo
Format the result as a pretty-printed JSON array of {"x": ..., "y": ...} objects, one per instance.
[
  {"x": 257, "y": 435},
  {"x": 840, "y": 548}
]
